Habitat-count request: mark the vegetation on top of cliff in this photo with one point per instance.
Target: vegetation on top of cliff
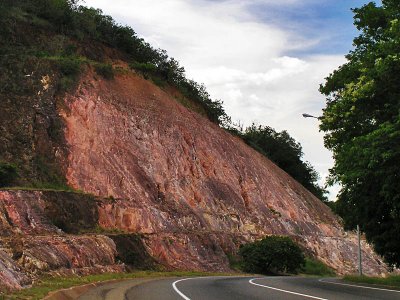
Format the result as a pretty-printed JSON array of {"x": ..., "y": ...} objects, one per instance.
[
  {"x": 68, "y": 18},
  {"x": 362, "y": 128}
]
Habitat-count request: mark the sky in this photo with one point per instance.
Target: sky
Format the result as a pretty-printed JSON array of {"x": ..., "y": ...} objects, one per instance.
[{"x": 265, "y": 59}]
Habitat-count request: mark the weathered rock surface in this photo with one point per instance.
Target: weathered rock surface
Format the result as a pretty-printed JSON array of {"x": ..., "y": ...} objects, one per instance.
[
  {"x": 31, "y": 244},
  {"x": 194, "y": 189}
]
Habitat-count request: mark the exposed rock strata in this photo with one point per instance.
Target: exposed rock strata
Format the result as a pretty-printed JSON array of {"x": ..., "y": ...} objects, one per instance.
[
  {"x": 31, "y": 244},
  {"x": 197, "y": 191}
]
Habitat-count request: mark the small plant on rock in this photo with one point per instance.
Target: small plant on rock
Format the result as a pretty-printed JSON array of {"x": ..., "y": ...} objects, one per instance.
[{"x": 8, "y": 173}]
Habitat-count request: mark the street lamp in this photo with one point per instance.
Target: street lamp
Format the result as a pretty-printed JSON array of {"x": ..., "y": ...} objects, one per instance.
[
  {"x": 358, "y": 227},
  {"x": 309, "y": 116}
]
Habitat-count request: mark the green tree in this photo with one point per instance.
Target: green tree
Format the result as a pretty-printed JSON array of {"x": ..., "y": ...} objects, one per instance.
[
  {"x": 362, "y": 127},
  {"x": 272, "y": 254}
]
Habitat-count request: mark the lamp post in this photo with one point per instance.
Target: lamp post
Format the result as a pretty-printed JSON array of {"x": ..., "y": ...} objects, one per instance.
[
  {"x": 305, "y": 115},
  {"x": 309, "y": 116}
]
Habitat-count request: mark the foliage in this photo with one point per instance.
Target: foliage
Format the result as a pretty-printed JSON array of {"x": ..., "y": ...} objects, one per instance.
[
  {"x": 235, "y": 262},
  {"x": 145, "y": 68},
  {"x": 282, "y": 149},
  {"x": 272, "y": 254},
  {"x": 69, "y": 66},
  {"x": 313, "y": 266},
  {"x": 105, "y": 70},
  {"x": 8, "y": 173},
  {"x": 68, "y": 18},
  {"x": 392, "y": 280},
  {"x": 362, "y": 127}
]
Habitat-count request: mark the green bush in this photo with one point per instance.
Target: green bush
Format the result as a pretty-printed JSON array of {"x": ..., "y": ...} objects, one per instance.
[
  {"x": 105, "y": 70},
  {"x": 8, "y": 173},
  {"x": 70, "y": 66},
  {"x": 143, "y": 67},
  {"x": 313, "y": 266},
  {"x": 66, "y": 83},
  {"x": 272, "y": 254}
]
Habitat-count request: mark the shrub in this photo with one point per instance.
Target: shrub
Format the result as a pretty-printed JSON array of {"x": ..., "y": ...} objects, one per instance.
[
  {"x": 272, "y": 254},
  {"x": 313, "y": 266},
  {"x": 66, "y": 83},
  {"x": 105, "y": 70},
  {"x": 70, "y": 66},
  {"x": 143, "y": 67},
  {"x": 8, "y": 173}
]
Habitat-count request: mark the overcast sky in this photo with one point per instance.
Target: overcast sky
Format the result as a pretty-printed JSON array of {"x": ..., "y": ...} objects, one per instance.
[{"x": 264, "y": 59}]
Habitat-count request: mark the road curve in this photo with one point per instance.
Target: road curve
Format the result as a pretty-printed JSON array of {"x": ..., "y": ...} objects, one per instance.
[{"x": 237, "y": 288}]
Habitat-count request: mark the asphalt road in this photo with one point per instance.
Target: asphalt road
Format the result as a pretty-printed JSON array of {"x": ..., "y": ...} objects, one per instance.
[{"x": 238, "y": 288}]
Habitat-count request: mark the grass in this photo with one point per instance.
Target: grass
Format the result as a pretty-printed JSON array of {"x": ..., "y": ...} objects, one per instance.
[
  {"x": 100, "y": 230},
  {"x": 47, "y": 285},
  {"x": 44, "y": 188},
  {"x": 316, "y": 267},
  {"x": 392, "y": 281},
  {"x": 235, "y": 262}
]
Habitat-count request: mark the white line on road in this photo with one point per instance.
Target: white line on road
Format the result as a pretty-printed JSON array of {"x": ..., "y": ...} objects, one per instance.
[
  {"x": 285, "y": 291},
  {"x": 359, "y": 286},
  {"x": 182, "y": 294},
  {"x": 178, "y": 291}
]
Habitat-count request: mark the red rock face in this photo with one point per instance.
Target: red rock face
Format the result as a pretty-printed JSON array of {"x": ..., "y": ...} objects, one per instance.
[
  {"x": 31, "y": 245},
  {"x": 193, "y": 188}
]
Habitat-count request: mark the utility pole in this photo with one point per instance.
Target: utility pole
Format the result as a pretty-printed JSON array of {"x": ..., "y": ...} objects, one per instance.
[{"x": 359, "y": 251}]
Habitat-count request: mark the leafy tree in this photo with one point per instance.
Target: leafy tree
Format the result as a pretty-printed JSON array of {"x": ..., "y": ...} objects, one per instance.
[
  {"x": 362, "y": 125},
  {"x": 272, "y": 254},
  {"x": 282, "y": 149}
]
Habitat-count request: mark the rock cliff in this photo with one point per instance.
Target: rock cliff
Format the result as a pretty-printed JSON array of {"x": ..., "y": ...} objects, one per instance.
[
  {"x": 57, "y": 233},
  {"x": 169, "y": 186},
  {"x": 196, "y": 191}
]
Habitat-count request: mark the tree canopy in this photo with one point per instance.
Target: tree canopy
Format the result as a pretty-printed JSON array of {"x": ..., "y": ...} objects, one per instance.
[{"x": 361, "y": 122}]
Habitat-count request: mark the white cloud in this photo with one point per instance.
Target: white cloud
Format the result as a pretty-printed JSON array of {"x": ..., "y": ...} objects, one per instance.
[{"x": 241, "y": 60}]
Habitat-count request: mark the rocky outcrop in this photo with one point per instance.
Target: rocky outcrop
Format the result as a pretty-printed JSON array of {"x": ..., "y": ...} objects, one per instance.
[
  {"x": 31, "y": 244},
  {"x": 193, "y": 189}
]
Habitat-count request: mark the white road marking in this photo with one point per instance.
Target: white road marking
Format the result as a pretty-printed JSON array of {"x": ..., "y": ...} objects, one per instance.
[
  {"x": 285, "y": 291},
  {"x": 178, "y": 291},
  {"x": 182, "y": 294},
  {"x": 359, "y": 286}
]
